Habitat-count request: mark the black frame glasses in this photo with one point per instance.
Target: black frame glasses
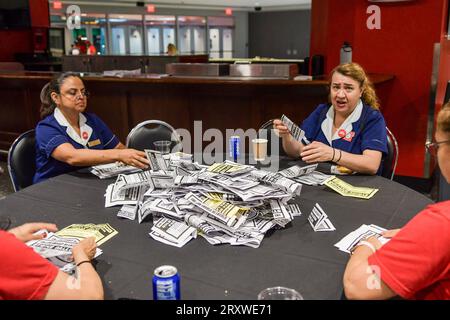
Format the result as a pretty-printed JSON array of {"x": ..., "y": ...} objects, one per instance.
[{"x": 432, "y": 147}]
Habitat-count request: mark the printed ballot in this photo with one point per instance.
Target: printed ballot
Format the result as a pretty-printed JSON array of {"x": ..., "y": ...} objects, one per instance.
[
  {"x": 319, "y": 220},
  {"x": 347, "y": 190},
  {"x": 295, "y": 130}
]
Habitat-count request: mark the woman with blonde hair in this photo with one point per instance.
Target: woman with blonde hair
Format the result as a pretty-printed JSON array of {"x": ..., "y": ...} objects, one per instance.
[{"x": 349, "y": 131}]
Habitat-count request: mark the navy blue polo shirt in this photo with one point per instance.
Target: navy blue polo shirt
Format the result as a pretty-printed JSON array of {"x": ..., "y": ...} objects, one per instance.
[
  {"x": 364, "y": 129},
  {"x": 54, "y": 130}
]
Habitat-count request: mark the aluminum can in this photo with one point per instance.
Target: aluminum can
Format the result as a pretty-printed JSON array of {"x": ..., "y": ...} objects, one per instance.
[
  {"x": 166, "y": 283},
  {"x": 234, "y": 147}
]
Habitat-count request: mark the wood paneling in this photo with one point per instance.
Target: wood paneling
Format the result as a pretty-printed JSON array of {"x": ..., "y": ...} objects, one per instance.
[{"x": 124, "y": 102}]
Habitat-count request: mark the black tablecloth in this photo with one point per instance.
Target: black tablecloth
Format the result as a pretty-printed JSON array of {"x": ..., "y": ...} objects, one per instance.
[{"x": 295, "y": 257}]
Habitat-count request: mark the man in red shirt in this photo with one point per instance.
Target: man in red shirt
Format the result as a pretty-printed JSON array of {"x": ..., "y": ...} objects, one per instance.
[
  {"x": 24, "y": 275},
  {"x": 415, "y": 263}
]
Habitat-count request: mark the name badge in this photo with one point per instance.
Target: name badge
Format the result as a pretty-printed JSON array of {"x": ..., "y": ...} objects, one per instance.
[{"x": 94, "y": 143}]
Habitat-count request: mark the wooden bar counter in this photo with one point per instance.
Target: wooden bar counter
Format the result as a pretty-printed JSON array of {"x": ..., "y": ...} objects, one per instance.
[{"x": 221, "y": 102}]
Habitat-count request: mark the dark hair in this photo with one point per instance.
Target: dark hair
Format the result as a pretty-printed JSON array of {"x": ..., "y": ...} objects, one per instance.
[
  {"x": 47, "y": 103},
  {"x": 5, "y": 223}
]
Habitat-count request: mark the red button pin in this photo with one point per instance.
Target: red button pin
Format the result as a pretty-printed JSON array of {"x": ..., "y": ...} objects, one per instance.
[
  {"x": 85, "y": 135},
  {"x": 342, "y": 133}
]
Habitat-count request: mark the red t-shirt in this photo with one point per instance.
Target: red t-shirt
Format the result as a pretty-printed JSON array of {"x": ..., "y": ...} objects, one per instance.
[
  {"x": 416, "y": 262},
  {"x": 24, "y": 275}
]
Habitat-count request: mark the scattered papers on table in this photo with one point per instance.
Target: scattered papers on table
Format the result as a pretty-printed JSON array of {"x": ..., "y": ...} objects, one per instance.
[
  {"x": 363, "y": 232},
  {"x": 319, "y": 219},
  {"x": 224, "y": 203},
  {"x": 347, "y": 190}
]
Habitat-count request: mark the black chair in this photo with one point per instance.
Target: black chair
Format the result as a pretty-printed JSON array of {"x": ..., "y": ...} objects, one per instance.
[
  {"x": 391, "y": 159},
  {"x": 145, "y": 133},
  {"x": 22, "y": 160},
  {"x": 266, "y": 131}
]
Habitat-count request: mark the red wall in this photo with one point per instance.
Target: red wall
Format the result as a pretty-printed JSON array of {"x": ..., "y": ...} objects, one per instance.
[
  {"x": 402, "y": 47},
  {"x": 14, "y": 41}
]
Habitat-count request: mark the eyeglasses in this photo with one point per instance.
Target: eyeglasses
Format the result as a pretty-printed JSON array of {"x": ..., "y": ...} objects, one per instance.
[
  {"x": 76, "y": 94},
  {"x": 432, "y": 147}
]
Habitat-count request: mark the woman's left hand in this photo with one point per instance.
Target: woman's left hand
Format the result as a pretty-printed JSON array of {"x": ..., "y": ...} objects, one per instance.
[
  {"x": 26, "y": 231},
  {"x": 316, "y": 152}
]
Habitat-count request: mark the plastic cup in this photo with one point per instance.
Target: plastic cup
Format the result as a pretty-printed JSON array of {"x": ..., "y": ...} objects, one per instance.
[
  {"x": 259, "y": 149},
  {"x": 162, "y": 146},
  {"x": 279, "y": 293}
]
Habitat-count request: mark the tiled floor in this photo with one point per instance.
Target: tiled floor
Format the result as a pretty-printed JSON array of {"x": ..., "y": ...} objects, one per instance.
[{"x": 5, "y": 184}]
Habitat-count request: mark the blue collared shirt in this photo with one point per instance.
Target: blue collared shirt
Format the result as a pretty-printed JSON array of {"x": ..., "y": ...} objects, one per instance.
[
  {"x": 349, "y": 137},
  {"x": 54, "y": 130}
]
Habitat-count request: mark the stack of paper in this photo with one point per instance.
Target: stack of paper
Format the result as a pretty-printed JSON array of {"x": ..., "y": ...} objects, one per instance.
[{"x": 365, "y": 231}]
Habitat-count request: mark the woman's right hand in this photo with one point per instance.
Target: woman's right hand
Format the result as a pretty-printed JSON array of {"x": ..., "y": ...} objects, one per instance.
[
  {"x": 133, "y": 158},
  {"x": 85, "y": 247},
  {"x": 280, "y": 128}
]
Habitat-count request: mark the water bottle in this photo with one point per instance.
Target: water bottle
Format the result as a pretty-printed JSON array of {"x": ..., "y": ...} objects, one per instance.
[{"x": 346, "y": 53}]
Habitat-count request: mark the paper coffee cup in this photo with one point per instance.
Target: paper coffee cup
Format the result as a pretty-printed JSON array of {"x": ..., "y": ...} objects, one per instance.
[{"x": 259, "y": 149}]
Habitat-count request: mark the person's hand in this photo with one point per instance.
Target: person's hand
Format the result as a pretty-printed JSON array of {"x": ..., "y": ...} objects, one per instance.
[
  {"x": 390, "y": 233},
  {"x": 280, "y": 129},
  {"x": 86, "y": 246},
  {"x": 317, "y": 152},
  {"x": 26, "y": 231},
  {"x": 376, "y": 243},
  {"x": 133, "y": 158}
]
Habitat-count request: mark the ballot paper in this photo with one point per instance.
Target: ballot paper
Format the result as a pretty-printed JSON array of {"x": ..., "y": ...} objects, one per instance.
[
  {"x": 202, "y": 226},
  {"x": 172, "y": 232},
  {"x": 347, "y": 190},
  {"x": 295, "y": 130},
  {"x": 128, "y": 181},
  {"x": 319, "y": 220},
  {"x": 296, "y": 171},
  {"x": 128, "y": 196},
  {"x": 281, "y": 215},
  {"x": 227, "y": 213},
  {"x": 127, "y": 212},
  {"x": 347, "y": 243},
  {"x": 293, "y": 210},
  {"x": 314, "y": 178},
  {"x": 279, "y": 181},
  {"x": 101, "y": 232},
  {"x": 229, "y": 167},
  {"x": 110, "y": 170},
  {"x": 156, "y": 160}
]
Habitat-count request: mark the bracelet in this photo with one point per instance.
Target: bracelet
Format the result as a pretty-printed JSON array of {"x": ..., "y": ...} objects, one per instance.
[
  {"x": 84, "y": 261},
  {"x": 340, "y": 156},
  {"x": 366, "y": 244},
  {"x": 332, "y": 158}
]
